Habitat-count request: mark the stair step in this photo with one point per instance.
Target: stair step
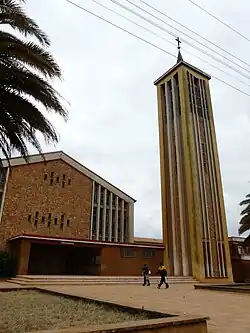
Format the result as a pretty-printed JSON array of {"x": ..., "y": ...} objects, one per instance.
[{"x": 33, "y": 280}]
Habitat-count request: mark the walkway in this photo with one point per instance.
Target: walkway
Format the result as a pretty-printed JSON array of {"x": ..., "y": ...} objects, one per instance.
[{"x": 229, "y": 312}]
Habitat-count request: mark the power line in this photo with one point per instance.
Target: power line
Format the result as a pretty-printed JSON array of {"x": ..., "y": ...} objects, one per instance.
[
  {"x": 219, "y": 20},
  {"x": 196, "y": 33},
  {"x": 144, "y": 40},
  {"x": 188, "y": 43},
  {"x": 118, "y": 27},
  {"x": 153, "y": 33}
]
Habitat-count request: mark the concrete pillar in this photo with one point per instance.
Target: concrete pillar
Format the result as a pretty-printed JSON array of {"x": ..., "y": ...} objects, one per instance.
[
  {"x": 110, "y": 216},
  {"x": 104, "y": 214},
  {"x": 116, "y": 218},
  {"x": 131, "y": 223},
  {"x": 171, "y": 181},
  {"x": 92, "y": 210},
  {"x": 122, "y": 222},
  {"x": 98, "y": 212},
  {"x": 24, "y": 255},
  {"x": 184, "y": 250}
]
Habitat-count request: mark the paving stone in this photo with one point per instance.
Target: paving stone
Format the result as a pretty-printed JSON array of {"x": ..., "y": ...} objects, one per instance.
[{"x": 228, "y": 312}]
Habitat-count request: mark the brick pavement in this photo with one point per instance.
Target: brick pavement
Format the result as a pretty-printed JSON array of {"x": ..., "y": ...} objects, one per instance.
[{"x": 229, "y": 312}]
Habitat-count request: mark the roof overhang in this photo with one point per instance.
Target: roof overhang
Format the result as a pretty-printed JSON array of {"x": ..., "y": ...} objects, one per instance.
[
  {"x": 77, "y": 241},
  {"x": 60, "y": 155},
  {"x": 144, "y": 240},
  {"x": 236, "y": 239},
  {"x": 185, "y": 64}
]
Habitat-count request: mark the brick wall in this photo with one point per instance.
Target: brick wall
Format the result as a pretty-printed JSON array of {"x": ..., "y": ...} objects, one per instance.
[
  {"x": 113, "y": 264},
  {"x": 50, "y": 199}
]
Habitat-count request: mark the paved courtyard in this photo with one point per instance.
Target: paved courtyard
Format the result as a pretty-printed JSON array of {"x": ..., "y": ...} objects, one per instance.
[{"x": 229, "y": 312}]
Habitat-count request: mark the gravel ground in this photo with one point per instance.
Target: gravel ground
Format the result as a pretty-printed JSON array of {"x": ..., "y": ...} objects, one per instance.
[{"x": 24, "y": 311}]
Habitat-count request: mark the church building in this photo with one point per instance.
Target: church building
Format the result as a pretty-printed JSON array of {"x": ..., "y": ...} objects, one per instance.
[{"x": 58, "y": 217}]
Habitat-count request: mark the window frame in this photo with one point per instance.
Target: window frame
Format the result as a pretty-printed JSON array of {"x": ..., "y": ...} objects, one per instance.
[
  {"x": 144, "y": 251},
  {"x": 127, "y": 252}
]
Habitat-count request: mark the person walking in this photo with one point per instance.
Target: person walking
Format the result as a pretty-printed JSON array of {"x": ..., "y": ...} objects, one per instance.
[
  {"x": 163, "y": 274},
  {"x": 146, "y": 272}
]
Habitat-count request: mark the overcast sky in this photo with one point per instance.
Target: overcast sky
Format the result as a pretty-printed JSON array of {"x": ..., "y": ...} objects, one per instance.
[{"x": 108, "y": 79}]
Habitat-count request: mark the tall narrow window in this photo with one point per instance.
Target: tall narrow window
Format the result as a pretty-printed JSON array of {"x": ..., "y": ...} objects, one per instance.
[
  {"x": 94, "y": 222},
  {"x": 197, "y": 94},
  {"x": 177, "y": 102},
  {"x": 113, "y": 225},
  {"x": 49, "y": 220},
  {"x": 51, "y": 178},
  {"x": 36, "y": 218},
  {"x": 102, "y": 195},
  {"x": 63, "y": 181},
  {"x": 170, "y": 99},
  {"x": 108, "y": 199},
  {"x": 204, "y": 156},
  {"x": 2, "y": 175},
  {"x": 95, "y": 193},
  {"x": 101, "y": 223},
  {"x": 107, "y": 225}
]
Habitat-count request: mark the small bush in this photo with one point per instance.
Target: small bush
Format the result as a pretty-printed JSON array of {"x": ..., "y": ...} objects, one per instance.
[{"x": 7, "y": 265}]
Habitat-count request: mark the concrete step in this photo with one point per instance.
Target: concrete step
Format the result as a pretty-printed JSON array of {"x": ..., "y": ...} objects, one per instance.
[
  {"x": 33, "y": 280},
  {"x": 98, "y": 279},
  {"x": 93, "y": 277},
  {"x": 49, "y": 283}
]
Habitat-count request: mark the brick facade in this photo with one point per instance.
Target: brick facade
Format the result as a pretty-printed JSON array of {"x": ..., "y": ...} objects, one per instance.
[
  {"x": 43, "y": 255},
  {"x": 128, "y": 266},
  {"x": 51, "y": 198},
  {"x": 46, "y": 213}
]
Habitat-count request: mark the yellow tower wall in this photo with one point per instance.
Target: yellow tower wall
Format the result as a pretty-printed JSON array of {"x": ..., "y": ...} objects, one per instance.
[{"x": 198, "y": 209}]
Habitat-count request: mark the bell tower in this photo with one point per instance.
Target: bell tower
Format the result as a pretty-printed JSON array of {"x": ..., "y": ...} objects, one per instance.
[{"x": 193, "y": 212}]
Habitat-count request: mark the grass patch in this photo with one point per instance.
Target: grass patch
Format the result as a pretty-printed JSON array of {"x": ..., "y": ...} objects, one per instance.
[{"x": 24, "y": 311}]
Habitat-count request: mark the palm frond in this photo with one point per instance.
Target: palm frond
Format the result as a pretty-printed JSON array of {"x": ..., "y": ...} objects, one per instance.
[
  {"x": 28, "y": 53},
  {"x": 243, "y": 228},
  {"x": 244, "y": 224},
  {"x": 12, "y": 14},
  {"x": 245, "y": 202},
  {"x": 25, "y": 68},
  {"x": 20, "y": 121},
  {"x": 244, "y": 219},
  {"x": 19, "y": 79},
  {"x": 246, "y": 210}
]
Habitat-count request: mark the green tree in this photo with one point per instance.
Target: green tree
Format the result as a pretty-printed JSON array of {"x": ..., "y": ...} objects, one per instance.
[
  {"x": 245, "y": 220},
  {"x": 27, "y": 70}
]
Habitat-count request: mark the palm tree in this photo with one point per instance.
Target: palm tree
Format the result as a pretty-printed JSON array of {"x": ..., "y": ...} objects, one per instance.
[
  {"x": 245, "y": 220},
  {"x": 26, "y": 72}
]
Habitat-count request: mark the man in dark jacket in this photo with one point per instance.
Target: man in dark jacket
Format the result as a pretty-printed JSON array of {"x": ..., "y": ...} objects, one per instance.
[
  {"x": 163, "y": 273},
  {"x": 145, "y": 273}
]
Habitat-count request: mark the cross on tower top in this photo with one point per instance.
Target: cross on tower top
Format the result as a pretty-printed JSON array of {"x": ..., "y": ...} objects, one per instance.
[{"x": 178, "y": 43}]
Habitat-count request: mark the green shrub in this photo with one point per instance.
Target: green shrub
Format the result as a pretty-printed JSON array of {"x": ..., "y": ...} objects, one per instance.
[{"x": 7, "y": 265}]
